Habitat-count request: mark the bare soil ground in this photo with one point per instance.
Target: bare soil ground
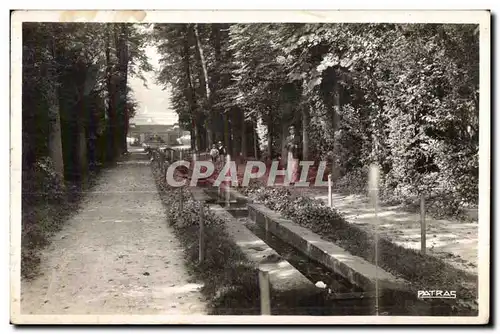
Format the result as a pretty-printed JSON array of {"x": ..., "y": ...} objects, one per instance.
[{"x": 117, "y": 255}]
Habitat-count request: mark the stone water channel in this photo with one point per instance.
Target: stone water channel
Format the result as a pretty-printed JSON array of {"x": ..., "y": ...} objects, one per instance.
[{"x": 340, "y": 297}]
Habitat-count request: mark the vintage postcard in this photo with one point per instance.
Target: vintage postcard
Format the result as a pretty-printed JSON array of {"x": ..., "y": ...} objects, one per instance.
[{"x": 250, "y": 167}]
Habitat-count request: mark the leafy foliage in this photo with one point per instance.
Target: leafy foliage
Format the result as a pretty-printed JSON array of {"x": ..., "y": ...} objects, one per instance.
[
  {"x": 76, "y": 105},
  {"x": 402, "y": 95},
  {"x": 76, "y": 72}
]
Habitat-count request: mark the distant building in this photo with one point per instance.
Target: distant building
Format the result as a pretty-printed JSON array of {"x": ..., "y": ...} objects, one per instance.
[
  {"x": 185, "y": 138},
  {"x": 145, "y": 131}
]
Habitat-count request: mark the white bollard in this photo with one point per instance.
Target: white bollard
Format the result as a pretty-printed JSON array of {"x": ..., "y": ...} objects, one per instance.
[
  {"x": 423, "y": 227},
  {"x": 330, "y": 190},
  {"x": 228, "y": 161},
  {"x": 193, "y": 161}
]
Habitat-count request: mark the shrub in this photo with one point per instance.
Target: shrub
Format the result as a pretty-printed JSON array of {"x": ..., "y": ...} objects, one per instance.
[
  {"x": 353, "y": 182},
  {"x": 41, "y": 182}
]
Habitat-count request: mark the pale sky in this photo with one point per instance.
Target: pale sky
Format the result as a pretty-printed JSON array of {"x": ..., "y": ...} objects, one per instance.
[{"x": 154, "y": 102}]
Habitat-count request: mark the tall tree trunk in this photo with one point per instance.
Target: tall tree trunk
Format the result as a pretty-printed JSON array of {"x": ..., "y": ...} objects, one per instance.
[
  {"x": 205, "y": 80},
  {"x": 336, "y": 109},
  {"x": 111, "y": 110},
  {"x": 226, "y": 131},
  {"x": 125, "y": 131},
  {"x": 192, "y": 137},
  {"x": 92, "y": 138},
  {"x": 255, "y": 141},
  {"x": 216, "y": 121},
  {"x": 55, "y": 131},
  {"x": 81, "y": 77},
  {"x": 122, "y": 54},
  {"x": 55, "y": 142},
  {"x": 270, "y": 137},
  {"x": 203, "y": 62},
  {"x": 210, "y": 135},
  {"x": 82, "y": 150},
  {"x": 244, "y": 152},
  {"x": 217, "y": 126},
  {"x": 305, "y": 133},
  {"x": 285, "y": 123},
  {"x": 335, "y": 124},
  {"x": 284, "y": 134},
  {"x": 196, "y": 132},
  {"x": 232, "y": 149},
  {"x": 191, "y": 97},
  {"x": 203, "y": 133}
]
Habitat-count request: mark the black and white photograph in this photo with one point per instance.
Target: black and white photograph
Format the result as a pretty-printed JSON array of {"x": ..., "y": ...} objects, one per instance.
[{"x": 261, "y": 167}]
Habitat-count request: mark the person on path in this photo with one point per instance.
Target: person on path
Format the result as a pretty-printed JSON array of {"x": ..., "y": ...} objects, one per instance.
[
  {"x": 214, "y": 154},
  {"x": 292, "y": 159},
  {"x": 222, "y": 153}
]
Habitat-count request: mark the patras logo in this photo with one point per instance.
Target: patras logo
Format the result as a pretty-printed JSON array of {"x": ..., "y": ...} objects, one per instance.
[{"x": 424, "y": 294}]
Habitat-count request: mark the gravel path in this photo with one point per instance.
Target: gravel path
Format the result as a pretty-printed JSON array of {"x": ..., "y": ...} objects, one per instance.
[
  {"x": 117, "y": 255},
  {"x": 452, "y": 241}
]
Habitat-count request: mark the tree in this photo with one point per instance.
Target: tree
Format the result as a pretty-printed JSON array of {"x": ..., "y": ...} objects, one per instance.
[
  {"x": 404, "y": 96},
  {"x": 69, "y": 71}
]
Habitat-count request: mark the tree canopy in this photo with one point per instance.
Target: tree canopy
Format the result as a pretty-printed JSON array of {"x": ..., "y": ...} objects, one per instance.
[
  {"x": 404, "y": 96},
  {"x": 76, "y": 100}
]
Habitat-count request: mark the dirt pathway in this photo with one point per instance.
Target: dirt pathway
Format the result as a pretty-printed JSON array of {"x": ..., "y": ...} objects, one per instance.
[{"x": 115, "y": 256}]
